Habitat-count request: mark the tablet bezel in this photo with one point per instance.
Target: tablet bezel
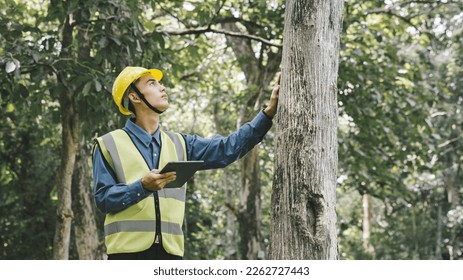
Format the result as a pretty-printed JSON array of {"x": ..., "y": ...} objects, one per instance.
[{"x": 184, "y": 169}]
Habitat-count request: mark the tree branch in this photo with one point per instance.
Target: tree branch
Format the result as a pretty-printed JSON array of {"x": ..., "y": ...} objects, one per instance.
[
  {"x": 199, "y": 31},
  {"x": 172, "y": 15},
  {"x": 240, "y": 20},
  {"x": 217, "y": 13},
  {"x": 233, "y": 209},
  {"x": 404, "y": 19},
  {"x": 389, "y": 12},
  {"x": 448, "y": 142},
  {"x": 83, "y": 22},
  {"x": 399, "y": 4},
  {"x": 188, "y": 76}
]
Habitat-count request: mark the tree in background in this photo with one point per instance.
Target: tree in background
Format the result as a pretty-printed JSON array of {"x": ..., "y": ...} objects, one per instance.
[
  {"x": 394, "y": 86},
  {"x": 63, "y": 58},
  {"x": 304, "y": 185},
  {"x": 259, "y": 70}
]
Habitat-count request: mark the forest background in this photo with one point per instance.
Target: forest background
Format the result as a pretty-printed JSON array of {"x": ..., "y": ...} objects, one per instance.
[{"x": 400, "y": 121}]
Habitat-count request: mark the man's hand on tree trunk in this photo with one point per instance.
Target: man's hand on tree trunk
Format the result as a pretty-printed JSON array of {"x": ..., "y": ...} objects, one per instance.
[{"x": 271, "y": 108}]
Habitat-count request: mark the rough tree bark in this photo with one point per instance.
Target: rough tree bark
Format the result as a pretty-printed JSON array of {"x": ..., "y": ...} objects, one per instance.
[
  {"x": 64, "y": 211},
  {"x": 304, "y": 184},
  {"x": 84, "y": 226}
]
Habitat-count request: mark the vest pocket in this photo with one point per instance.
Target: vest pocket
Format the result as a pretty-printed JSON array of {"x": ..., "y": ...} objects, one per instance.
[{"x": 143, "y": 210}]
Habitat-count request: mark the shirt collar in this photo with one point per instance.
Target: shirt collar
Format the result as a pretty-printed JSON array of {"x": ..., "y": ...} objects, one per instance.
[{"x": 141, "y": 134}]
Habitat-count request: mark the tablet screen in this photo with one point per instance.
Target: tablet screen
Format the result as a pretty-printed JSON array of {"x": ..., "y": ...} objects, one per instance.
[{"x": 184, "y": 169}]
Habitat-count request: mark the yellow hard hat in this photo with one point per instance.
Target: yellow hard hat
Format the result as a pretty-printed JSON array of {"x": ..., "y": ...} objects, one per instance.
[{"x": 125, "y": 78}]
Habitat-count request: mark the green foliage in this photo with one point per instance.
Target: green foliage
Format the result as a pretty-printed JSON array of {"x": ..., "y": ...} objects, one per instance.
[
  {"x": 27, "y": 178},
  {"x": 43, "y": 60},
  {"x": 390, "y": 94}
]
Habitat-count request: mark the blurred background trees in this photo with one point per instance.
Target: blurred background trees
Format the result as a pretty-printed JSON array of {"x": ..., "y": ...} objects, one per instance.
[
  {"x": 397, "y": 83},
  {"x": 400, "y": 121}
]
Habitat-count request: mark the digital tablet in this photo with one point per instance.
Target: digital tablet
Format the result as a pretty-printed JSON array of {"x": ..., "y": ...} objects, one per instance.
[{"x": 185, "y": 170}]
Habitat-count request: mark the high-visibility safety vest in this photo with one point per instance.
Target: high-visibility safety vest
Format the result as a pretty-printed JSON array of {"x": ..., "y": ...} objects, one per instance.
[{"x": 134, "y": 228}]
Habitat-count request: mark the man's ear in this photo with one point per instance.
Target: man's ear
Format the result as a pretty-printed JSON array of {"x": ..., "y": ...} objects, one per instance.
[{"x": 133, "y": 97}]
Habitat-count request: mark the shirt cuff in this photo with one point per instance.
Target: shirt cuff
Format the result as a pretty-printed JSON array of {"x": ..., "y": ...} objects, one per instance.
[
  {"x": 263, "y": 111},
  {"x": 139, "y": 192},
  {"x": 262, "y": 120}
]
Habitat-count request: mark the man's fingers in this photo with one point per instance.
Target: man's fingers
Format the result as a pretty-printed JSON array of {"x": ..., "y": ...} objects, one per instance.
[
  {"x": 277, "y": 81},
  {"x": 163, "y": 179},
  {"x": 156, "y": 173},
  {"x": 154, "y": 181},
  {"x": 276, "y": 86},
  {"x": 168, "y": 174},
  {"x": 276, "y": 90}
]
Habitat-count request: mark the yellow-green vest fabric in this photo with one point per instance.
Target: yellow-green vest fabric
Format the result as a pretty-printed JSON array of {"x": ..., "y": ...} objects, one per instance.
[{"x": 134, "y": 228}]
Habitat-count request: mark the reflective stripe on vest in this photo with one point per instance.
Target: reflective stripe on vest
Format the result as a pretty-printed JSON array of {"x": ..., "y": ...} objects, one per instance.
[
  {"x": 133, "y": 229},
  {"x": 134, "y": 226}
]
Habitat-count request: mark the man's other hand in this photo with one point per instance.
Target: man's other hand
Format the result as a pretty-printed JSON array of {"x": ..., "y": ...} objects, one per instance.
[{"x": 154, "y": 181}]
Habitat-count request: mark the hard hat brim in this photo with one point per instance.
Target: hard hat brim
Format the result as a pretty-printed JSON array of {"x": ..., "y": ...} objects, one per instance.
[{"x": 156, "y": 73}]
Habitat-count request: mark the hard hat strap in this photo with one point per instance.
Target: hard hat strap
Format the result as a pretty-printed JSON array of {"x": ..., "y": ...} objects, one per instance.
[{"x": 132, "y": 85}]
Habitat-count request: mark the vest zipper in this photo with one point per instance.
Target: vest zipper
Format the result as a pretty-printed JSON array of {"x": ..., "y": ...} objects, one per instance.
[{"x": 158, "y": 236}]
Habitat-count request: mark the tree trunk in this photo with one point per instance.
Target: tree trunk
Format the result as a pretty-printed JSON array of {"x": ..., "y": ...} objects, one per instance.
[
  {"x": 85, "y": 229},
  {"x": 64, "y": 212},
  {"x": 453, "y": 198},
  {"x": 438, "y": 252},
  {"x": 230, "y": 187},
  {"x": 69, "y": 135},
  {"x": 250, "y": 215},
  {"x": 367, "y": 225},
  {"x": 304, "y": 183},
  {"x": 231, "y": 252}
]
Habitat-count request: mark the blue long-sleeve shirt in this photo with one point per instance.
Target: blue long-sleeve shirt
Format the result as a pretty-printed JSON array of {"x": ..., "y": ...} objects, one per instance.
[{"x": 216, "y": 152}]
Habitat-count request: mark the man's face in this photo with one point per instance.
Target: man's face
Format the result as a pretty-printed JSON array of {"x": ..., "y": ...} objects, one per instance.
[{"x": 154, "y": 92}]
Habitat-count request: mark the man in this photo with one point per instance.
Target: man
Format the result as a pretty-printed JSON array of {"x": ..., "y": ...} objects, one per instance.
[{"x": 144, "y": 220}]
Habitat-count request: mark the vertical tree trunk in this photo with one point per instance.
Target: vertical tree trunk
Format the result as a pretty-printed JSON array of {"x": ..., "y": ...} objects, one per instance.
[
  {"x": 451, "y": 184},
  {"x": 64, "y": 212},
  {"x": 438, "y": 252},
  {"x": 453, "y": 198},
  {"x": 304, "y": 184},
  {"x": 85, "y": 228},
  {"x": 231, "y": 252},
  {"x": 229, "y": 183},
  {"x": 70, "y": 126},
  {"x": 250, "y": 215},
  {"x": 415, "y": 253},
  {"x": 367, "y": 225}
]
